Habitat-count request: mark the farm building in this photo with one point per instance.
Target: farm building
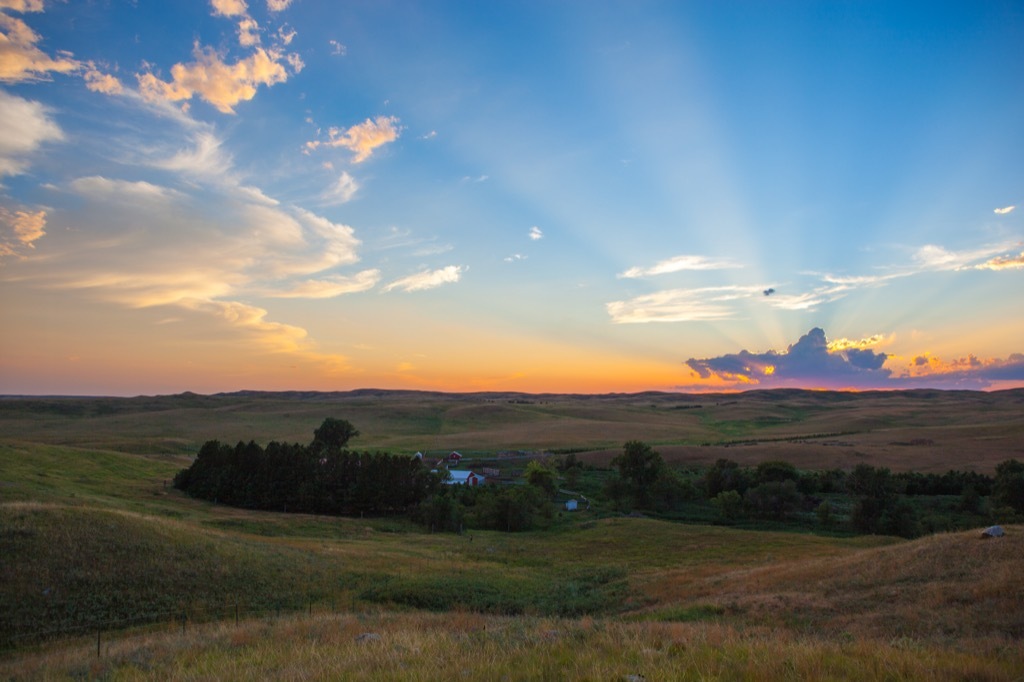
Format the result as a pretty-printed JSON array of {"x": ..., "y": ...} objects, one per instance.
[
  {"x": 465, "y": 478},
  {"x": 571, "y": 505}
]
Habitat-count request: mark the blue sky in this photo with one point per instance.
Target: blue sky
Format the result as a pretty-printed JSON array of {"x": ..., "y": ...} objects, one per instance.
[{"x": 570, "y": 196}]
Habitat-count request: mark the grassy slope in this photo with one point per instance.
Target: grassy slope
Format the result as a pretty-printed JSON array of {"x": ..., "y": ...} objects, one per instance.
[{"x": 90, "y": 534}]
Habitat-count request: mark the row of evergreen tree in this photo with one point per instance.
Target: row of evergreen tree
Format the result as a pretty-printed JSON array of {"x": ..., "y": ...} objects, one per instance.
[{"x": 320, "y": 478}]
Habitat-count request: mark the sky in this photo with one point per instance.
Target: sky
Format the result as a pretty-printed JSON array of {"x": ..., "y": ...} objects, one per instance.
[{"x": 564, "y": 196}]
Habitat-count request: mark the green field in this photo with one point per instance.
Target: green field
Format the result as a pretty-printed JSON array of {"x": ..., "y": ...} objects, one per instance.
[{"x": 94, "y": 543}]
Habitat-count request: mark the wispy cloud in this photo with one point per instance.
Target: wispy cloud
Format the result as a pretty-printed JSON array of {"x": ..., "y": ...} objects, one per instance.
[
  {"x": 681, "y": 305},
  {"x": 19, "y": 230},
  {"x": 342, "y": 191},
  {"x": 428, "y": 279},
  {"x": 536, "y": 233},
  {"x": 1004, "y": 210},
  {"x": 24, "y": 126},
  {"x": 278, "y": 5},
  {"x": 677, "y": 263},
  {"x": 331, "y": 287},
  {"x": 363, "y": 139},
  {"x": 337, "y": 48},
  {"x": 1003, "y": 263}
]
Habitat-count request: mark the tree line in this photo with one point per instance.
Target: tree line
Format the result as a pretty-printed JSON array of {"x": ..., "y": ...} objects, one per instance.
[{"x": 323, "y": 477}]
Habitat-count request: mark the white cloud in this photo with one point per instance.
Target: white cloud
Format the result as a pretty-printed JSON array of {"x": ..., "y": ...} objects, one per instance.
[
  {"x": 681, "y": 305},
  {"x": 342, "y": 191},
  {"x": 363, "y": 138},
  {"x": 278, "y": 5},
  {"x": 515, "y": 257},
  {"x": 677, "y": 263},
  {"x": 932, "y": 257},
  {"x": 428, "y": 279},
  {"x": 286, "y": 35},
  {"x": 204, "y": 158},
  {"x": 101, "y": 188},
  {"x": 24, "y": 126},
  {"x": 536, "y": 233},
  {"x": 337, "y": 48},
  {"x": 21, "y": 60},
  {"x": 330, "y": 287},
  {"x": 1004, "y": 210}
]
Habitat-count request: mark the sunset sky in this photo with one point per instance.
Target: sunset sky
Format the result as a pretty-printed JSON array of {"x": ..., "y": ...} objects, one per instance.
[{"x": 549, "y": 196}]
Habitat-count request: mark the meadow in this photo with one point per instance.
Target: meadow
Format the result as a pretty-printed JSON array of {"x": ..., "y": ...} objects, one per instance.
[{"x": 96, "y": 545}]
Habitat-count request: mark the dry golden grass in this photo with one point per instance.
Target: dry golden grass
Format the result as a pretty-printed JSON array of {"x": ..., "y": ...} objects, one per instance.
[{"x": 473, "y": 647}]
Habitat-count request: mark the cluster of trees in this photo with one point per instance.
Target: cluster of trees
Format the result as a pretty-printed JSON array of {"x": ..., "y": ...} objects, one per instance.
[
  {"x": 320, "y": 478},
  {"x": 879, "y": 501},
  {"x": 510, "y": 508}
]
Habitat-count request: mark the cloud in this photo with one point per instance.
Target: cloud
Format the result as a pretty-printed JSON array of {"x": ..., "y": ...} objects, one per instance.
[
  {"x": 807, "y": 363},
  {"x": 24, "y": 126},
  {"x": 100, "y": 82},
  {"x": 337, "y": 48},
  {"x": 330, "y": 287},
  {"x": 20, "y": 59},
  {"x": 229, "y": 8},
  {"x": 428, "y": 279},
  {"x": 363, "y": 138},
  {"x": 536, "y": 233},
  {"x": 221, "y": 84},
  {"x": 19, "y": 230},
  {"x": 1004, "y": 210},
  {"x": 681, "y": 305},
  {"x": 677, "y": 263},
  {"x": 22, "y": 5},
  {"x": 278, "y": 5},
  {"x": 204, "y": 157},
  {"x": 932, "y": 257},
  {"x": 122, "y": 191},
  {"x": 1003, "y": 263},
  {"x": 815, "y": 362},
  {"x": 342, "y": 191},
  {"x": 514, "y": 257},
  {"x": 248, "y": 32}
]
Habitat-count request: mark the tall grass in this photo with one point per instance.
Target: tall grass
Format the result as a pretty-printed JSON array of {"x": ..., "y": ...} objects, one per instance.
[{"x": 473, "y": 647}]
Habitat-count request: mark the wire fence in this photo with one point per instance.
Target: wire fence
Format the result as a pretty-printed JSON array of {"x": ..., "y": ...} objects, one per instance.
[{"x": 182, "y": 618}]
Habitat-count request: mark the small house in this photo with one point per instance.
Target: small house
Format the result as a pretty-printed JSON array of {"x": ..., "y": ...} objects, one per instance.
[
  {"x": 571, "y": 505},
  {"x": 454, "y": 458},
  {"x": 464, "y": 478}
]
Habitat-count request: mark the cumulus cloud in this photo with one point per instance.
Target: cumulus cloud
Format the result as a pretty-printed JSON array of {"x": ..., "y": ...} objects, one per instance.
[
  {"x": 363, "y": 138},
  {"x": 229, "y": 8},
  {"x": 221, "y": 84},
  {"x": 681, "y": 305},
  {"x": 20, "y": 58},
  {"x": 342, "y": 191},
  {"x": 97, "y": 81},
  {"x": 1003, "y": 263},
  {"x": 536, "y": 233},
  {"x": 19, "y": 230},
  {"x": 24, "y": 126},
  {"x": 278, "y": 5},
  {"x": 428, "y": 279},
  {"x": 677, "y": 263},
  {"x": 806, "y": 363},
  {"x": 1004, "y": 210},
  {"x": 815, "y": 362},
  {"x": 248, "y": 32}
]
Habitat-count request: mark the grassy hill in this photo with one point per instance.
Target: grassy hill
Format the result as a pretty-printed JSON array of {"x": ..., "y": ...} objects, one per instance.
[{"x": 91, "y": 539}]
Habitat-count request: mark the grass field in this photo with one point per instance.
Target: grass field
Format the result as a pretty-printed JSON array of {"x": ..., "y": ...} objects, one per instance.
[{"x": 92, "y": 540}]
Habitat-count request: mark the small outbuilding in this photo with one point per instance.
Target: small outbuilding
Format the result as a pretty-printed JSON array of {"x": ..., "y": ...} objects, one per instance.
[
  {"x": 464, "y": 478},
  {"x": 571, "y": 505}
]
